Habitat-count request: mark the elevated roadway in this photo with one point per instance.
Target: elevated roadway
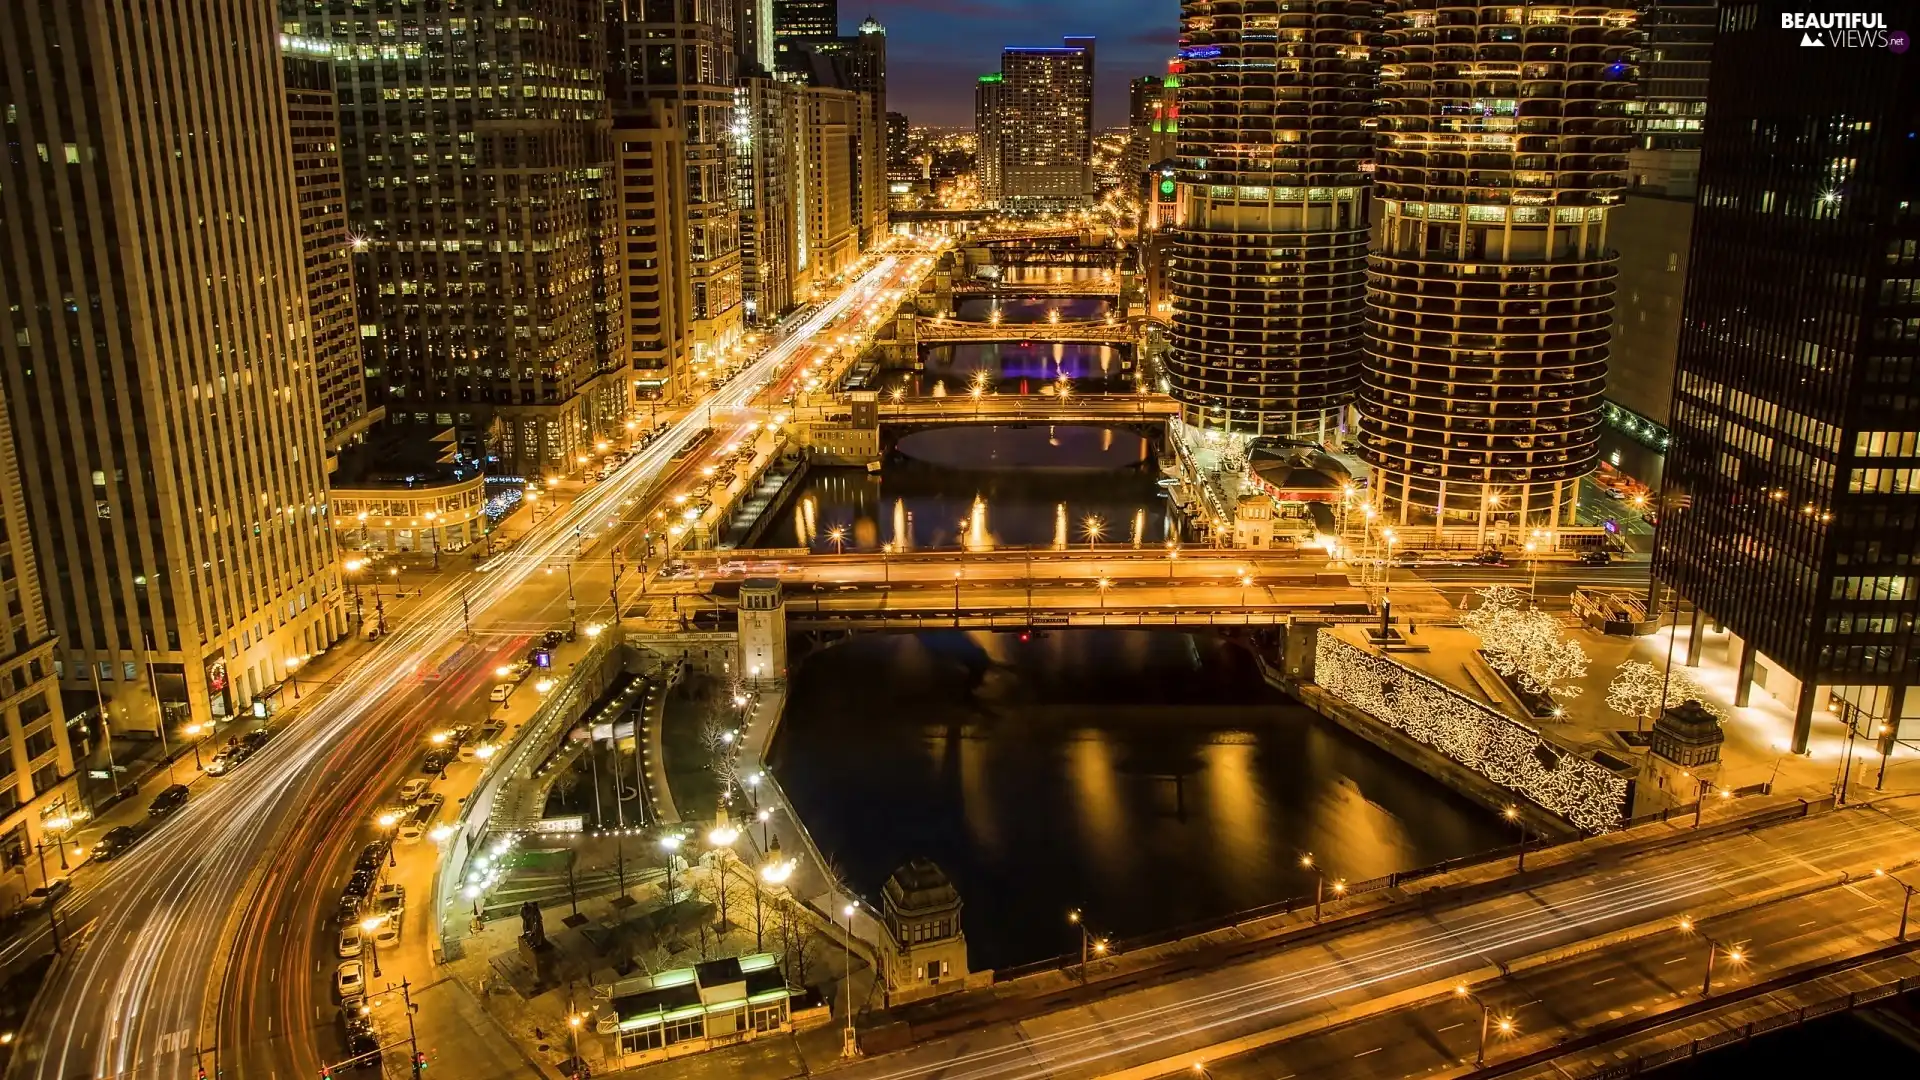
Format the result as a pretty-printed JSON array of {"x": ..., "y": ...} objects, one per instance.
[
  {"x": 1094, "y": 332},
  {"x": 993, "y": 408}
]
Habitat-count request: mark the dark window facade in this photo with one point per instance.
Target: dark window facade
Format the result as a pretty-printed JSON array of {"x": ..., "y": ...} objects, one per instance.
[{"x": 1790, "y": 513}]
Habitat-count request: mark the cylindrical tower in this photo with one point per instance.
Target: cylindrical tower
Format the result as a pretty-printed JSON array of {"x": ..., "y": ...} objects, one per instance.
[
  {"x": 1269, "y": 260},
  {"x": 1503, "y": 142}
]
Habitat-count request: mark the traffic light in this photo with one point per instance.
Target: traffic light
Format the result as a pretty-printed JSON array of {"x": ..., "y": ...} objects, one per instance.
[{"x": 419, "y": 1061}]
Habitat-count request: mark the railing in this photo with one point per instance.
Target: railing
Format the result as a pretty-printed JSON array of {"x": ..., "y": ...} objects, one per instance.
[
  {"x": 1076, "y": 407},
  {"x": 957, "y": 330},
  {"x": 1036, "y": 288},
  {"x": 1779, "y": 1021}
]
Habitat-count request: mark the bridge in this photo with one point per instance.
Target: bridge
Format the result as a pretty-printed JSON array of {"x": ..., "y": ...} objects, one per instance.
[
  {"x": 1108, "y": 286},
  {"x": 1030, "y": 409},
  {"x": 1587, "y": 959},
  {"x": 1096, "y": 332}
]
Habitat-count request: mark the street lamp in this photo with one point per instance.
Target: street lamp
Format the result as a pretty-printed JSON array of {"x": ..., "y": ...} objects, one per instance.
[
  {"x": 1089, "y": 945},
  {"x": 1512, "y": 814},
  {"x": 956, "y": 598},
  {"x": 1103, "y": 585},
  {"x": 838, "y": 534},
  {"x": 1093, "y": 527},
  {"x": 1320, "y": 886},
  {"x": 195, "y": 732},
  {"x": 389, "y": 822},
  {"x": 1735, "y": 953},
  {"x": 293, "y": 675},
  {"x": 670, "y": 843},
  {"x": 1905, "y": 901},
  {"x": 849, "y": 1043},
  {"x": 1503, "y": 1023},
  {"x": 721, "y": 837},
  {"x": 367, "y": 927},
  {"x": 433, "y": 536},
  {"x": 1245, "y": 581}
]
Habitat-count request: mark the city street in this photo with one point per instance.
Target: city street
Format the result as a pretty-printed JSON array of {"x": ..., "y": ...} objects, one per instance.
[
  {"x": 1164, "y": 1029},
  {"x": 141, "y": 990}
]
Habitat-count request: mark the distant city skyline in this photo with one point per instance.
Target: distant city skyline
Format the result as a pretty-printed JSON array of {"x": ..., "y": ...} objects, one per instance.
[{"x": 937, "y": 48}]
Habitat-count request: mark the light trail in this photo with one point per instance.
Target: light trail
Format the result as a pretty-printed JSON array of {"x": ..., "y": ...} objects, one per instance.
[
  {"x": 137, "y": 987},
  {"x": 1439, "y": 947}
]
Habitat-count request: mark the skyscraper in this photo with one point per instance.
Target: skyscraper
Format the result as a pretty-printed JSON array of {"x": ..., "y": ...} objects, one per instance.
[
  {"x": 830, "y": 123},
  {"x": 1503, "y": 154},
  {"x": 899, "y": 136},
  {"x": 986, "y": 130},
  {"x": 683, "y": 56},
  {"x": 326, "y": 245},
  {"x": 650, "y": 179},
  {"x": 857, "y": 63},
  {"x": 1043, "y": 117},
  {"x": 1269, "y": 261},
  {"x": 37, "y": 792},
  {"x": 768, "y": 165},
  {"x": 478, "y": 167},
  {"x": 807, "y": 20},
  {"x": 1791, "y": 510},
  {"x": 159, "y": 364}
]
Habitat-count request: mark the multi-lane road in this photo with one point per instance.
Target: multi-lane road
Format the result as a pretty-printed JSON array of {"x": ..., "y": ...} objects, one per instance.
[
  {"x": 1164, "y": 1029},
  {"x": 203, "y": 947}
]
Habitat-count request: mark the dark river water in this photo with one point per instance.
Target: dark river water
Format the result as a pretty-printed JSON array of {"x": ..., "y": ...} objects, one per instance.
[{"x": 1150, "y": 778}]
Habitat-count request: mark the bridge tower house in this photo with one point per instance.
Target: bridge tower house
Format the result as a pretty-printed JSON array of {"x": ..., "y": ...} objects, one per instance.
[{"x": 763, "y": 631}]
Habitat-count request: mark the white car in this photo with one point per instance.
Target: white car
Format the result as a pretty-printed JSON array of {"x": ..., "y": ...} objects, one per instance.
[
  {"x": 351, "y": 941},
  {"x": 500, "y": 692},
  {"x": 413, "y": 789},
  {"x": 388, "y": 935},
  {"x": 349, "y": 978}
]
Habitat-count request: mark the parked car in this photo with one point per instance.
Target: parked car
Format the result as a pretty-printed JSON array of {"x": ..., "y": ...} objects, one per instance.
[
  {"x": 348, "y": 911},
  {"x": 170, "y": 800},
  {"x": 1596, "y": 558},
  {"x": 349, "y": 979},
  {"x": 436, "y": 760},
  {"x": 1490, "y": 558},
  {"x": 351, "y": 941},
  {"x": 222, "y": 762},
  {"x": 501, "y": 692},
  {"x": 390, "y": 900},
  {"x": 413, "y": 789},
  {"x": 115, "y": 841},
  {"x": 359, "y": 885},
  {"x": 552, "y": 638},
  {"x": 40, "y": 898},
  {"x": 517, "y": 671},
  {"x": 255, "y": 739}
]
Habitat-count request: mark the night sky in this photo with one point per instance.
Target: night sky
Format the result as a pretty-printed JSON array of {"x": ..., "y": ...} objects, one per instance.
[{"x": 936, "y": 49}]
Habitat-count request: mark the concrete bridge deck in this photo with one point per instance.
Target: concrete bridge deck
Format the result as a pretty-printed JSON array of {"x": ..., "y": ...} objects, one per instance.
[
  {"x": 1036, "y": 288},
  {"x": 1583, "y": 943},
  {"x": 1035, "y": 408},
  {"x": 1096, "y": 332}
]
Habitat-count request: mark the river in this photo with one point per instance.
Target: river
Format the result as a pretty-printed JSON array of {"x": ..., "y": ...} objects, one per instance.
[{"x": 1150, "y": 778}]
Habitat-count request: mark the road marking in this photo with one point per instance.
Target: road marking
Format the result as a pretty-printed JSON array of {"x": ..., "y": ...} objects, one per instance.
[
  {"x": 1606, "y": 980},
  {"x": 1450, "y": 1027},
  {"x": 1809, "y": 922},
  {"x": 1364, "y": 1053},
  {"x": 1675, "y": 960}
]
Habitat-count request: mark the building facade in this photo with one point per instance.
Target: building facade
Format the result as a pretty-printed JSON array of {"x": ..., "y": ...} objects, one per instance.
[
  {"x": 1502, "y": 158},
  {"x": 1791, "y": 510},
  {"x": 650, "y": 189},
  {"x": 326, "y": 246},
  {"x": 806, "y": 20},
  {"x": 1269, "y": 259},
  {"x": 986, "y": 128},
  {"x": 682, "y": 55},
  {"x": 1044, "y": 119},
  {"x": 478, "y": 168},
  {"x": 39, "y": 758},
  {"x": 768, "y": 162},
  {"x": 1655, "y": 219},
  {"x": 829, "y": 122},
  {"x": 158, "y": 356}
]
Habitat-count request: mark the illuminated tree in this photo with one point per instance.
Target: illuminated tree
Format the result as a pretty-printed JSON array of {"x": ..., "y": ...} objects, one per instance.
[
  {"x": 1526, "y": 645},
  {"x": 1637, "y": 685}
]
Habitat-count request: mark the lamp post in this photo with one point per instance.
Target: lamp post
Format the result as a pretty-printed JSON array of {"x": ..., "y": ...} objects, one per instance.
[
  {"x": 1735, "y": 954},
  {"x": 956, "y": 598},
  {"x": 1173, "y": 556},
  {"x": 1244, "y": 582},
  {"x": 722, "y": 837},
  {"x": 850, "y": 1041},
  {"x": 352, "y": 568},
  {"x": 670, "y": 843},
  {"x": 293, "y": 676},
  {"x": 389, "y": 822},
  {"x": 1093, "y": 527},
  {"x": 1090, "y": 946},
  {"x": 367, "y": 927},
  {"x": 433, "y": 536},
  {"x": 1504, "y": 1023},
  {"x": 195, "y": 732},
  {"x": 1512, "y": 814},
  {"x": 1905, "y": 901},
  {"x": 1320, "y": 884},
  {"x": 775, "y": 869},
  {"x": 838, "y": 534}
]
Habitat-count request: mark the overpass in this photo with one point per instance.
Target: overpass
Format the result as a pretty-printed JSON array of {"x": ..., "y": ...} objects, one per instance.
[
  {"x": 1578, "y": 955},
  {"x": 1096, "y": 332},
  {"x": 1029, "y": 409}
]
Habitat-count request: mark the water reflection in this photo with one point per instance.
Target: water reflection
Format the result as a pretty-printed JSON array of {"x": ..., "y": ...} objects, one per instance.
[
  {"x": 1150, "y": 778},
  {"x": 1012, "y": 367},
  {"x": 993, "y": 487}
]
